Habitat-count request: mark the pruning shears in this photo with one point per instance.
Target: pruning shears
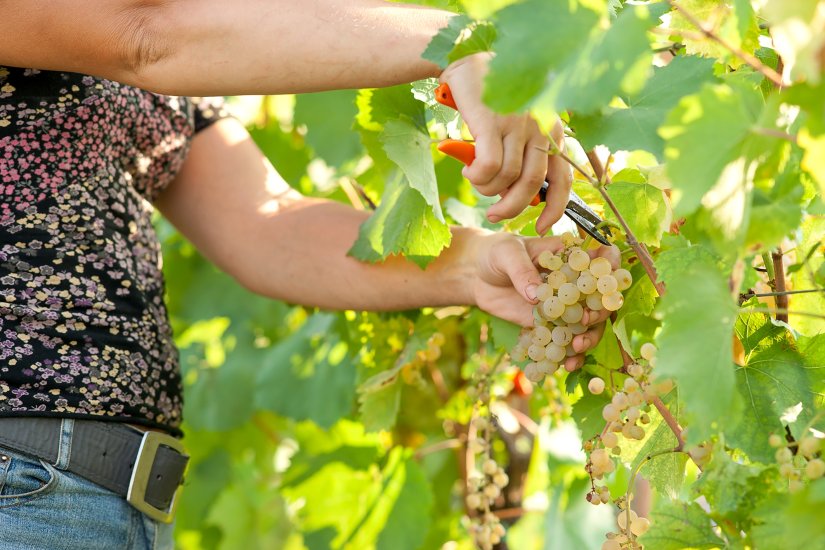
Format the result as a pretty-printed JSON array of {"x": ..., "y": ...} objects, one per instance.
[{"x": 576, "y": 209}]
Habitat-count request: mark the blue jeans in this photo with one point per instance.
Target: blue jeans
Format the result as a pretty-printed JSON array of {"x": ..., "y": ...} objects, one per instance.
[{"x": 43, "y": 507}]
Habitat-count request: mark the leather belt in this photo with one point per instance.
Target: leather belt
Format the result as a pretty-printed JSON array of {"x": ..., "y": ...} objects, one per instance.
[{"x": 145, "y": 468}]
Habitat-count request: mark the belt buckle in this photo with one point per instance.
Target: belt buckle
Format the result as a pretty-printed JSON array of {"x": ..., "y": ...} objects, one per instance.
[{"x": 141, "y": 472}]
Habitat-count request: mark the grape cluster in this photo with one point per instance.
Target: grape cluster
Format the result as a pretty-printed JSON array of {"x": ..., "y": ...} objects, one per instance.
[
  {"x": 572, "y": 280},
  {"x": 411, "y": 373},
  {"x": 799, "y": 460},
  {"x": 484, "y": 488},
  {"x": 625, "y": 416}
]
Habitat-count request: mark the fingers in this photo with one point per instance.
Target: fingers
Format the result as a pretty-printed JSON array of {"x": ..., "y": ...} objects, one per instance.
[
  {"x": 558, "y": 194},
  {"x": 511, "y": 257},
  {"x": 582, "y": 343},
  {"x": 520, "y": 193}
]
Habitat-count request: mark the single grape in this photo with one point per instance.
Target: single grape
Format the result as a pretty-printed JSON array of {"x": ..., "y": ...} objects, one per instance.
[
  {"x": 562, "y": 336},
  {"x": 594, "y": 302},
  {"x": 544, "y": 258},
  {"x": 501, "y": 479},
  {"x": 611, "y": 545},
  {"x": 637, "y": 432},
  {"x": 554, "y": 352},
  {"x": 569, "y": 273},
  {"x": 547, "y": 367},
  {"x": 577, "y": 328},
  {"x": 596, "y": 386},
  {"x": 492, "y": 491},
  {"x": 586, "y": 283},
  {"x": 600, "y": 267},
  {"x": 489, "y": 467},
  {"x": 787, "y": 470},
  {"x": 809, "y": 446},
  {"x": 636, "y": 398},
  {"x": 578, "y": 259},
  {"x": 552, "y": 308},
  {"x": 599, "y": 457},
  {"x": 544, "y": 291},
  {"x": 533, "y": 372},
  {"x": 635, "y": 370},
  {"x": 815, "y": 469},
  {"x": 624, "y": 279},
  {"x": 621, "y": 520},
  {"x": 784, "y": 455},
  {"x": 474, "y": 501},
  {"x": 555, "y": 279},
  {"x": 630, "y": 385},
  {"x": 541, "y": 336},
  {"x": 776, "y": 441},
  {"x": 607, "y": 284},
  {"x": 555, "y": 263},
  {"x": 518, "y": 353},
  {"x": 633, "y": 414},
  {"x": 620, "y": 400},
  {"x": 535, "y": 352},
  {"x": 610, "y": 412},
  {"x": 639, "y": 526},
  {"x": 612, "y": 302},
  {"x": 573, "y": 313},
  {"x": 648, "y": 351},
  {"x": 610, "y": 440},
  {"x": 569, "y": 294}
]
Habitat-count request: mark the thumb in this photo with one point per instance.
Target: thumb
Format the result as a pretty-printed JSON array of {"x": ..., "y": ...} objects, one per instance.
[{"x": 513, "y": 260}]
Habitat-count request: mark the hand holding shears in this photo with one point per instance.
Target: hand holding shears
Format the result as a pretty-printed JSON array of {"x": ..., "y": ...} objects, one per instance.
[{"x": 576, "y": 208}]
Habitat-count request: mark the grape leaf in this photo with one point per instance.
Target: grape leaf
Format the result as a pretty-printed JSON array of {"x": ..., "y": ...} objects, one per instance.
[
  {"x": 726, "y": 485},
  {"x": 611, "y": 62},
  {"x": 460, "y": 38},
  {"x": 773, "y": 219},
  {"x": 736, "y": 25},
  {"x": 772, "y": 381},
  {"x": 634, "y": 127},
  {"x": 665, "y": 472},
  {"x": 587, "y": 412},
  {"x": 703, "y": 373},
  {"x": 670, "y": 263},
  {"x": 310, "y": 374},
  {"x": 706, "y": 137},
  {"x": 348, "y": 508},
  {"x": 409, "y": 147},
  {"x": 678, "y": 525},
  {"x": 403, "y": 224},
  {"x": 535, "y": 38},
  {"x": 791, "y": 520},
  {"x": 328, "y": 117},
  {"x": 643, "y": 207}
]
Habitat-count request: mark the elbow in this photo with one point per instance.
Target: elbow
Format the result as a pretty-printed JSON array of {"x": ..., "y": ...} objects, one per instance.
[{"x": 142, "y": 40}]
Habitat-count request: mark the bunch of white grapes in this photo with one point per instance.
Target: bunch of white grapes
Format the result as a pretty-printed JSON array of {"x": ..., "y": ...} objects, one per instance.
[
  {"x": 572, "y": 281},
  {"x": 799, "y": 460},
  {"x": 485, "y": 486},
  {"x": 625, "y": 417},
  {"x": 625, "y": 538}
]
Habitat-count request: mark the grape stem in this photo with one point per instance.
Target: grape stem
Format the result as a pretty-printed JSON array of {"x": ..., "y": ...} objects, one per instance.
[
  {"x": 774, "y": 310},
  {"x": 747, "y": 295},
  {"x": 641, "y": 250},
  {"x": 436, "y": 447},
  {"x": 671, "y": 422},
  {"x": 632, "y": 483},
  {"x": 749, "y": 59}
]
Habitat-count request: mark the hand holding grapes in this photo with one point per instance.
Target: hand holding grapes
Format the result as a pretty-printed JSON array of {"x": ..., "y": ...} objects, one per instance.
[{"x": 507, "y": 281}]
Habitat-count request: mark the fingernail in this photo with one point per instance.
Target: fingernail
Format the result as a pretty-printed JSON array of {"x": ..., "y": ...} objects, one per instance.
[
  {"x": 531, "y": 291},
  {"x": 584, "y": 317},
  {"x": 584, "y": 344},
  {"x": 493, "y": 218}
]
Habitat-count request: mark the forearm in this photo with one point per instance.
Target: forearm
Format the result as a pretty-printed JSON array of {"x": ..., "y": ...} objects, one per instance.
[
  {"x": 211, "y": 47},
  {"x": 300, "y": 255}
]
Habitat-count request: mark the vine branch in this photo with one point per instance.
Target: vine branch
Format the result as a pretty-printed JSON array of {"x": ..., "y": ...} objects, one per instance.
[
  {"x": 779, "y": 286},
  {"x": 749, "y": 59}
]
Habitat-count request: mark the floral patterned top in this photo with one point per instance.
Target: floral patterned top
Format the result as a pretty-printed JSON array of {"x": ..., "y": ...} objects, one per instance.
[{"x": 83, "y": 328}]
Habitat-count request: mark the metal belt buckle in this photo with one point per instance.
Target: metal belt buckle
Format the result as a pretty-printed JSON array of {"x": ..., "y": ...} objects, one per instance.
[{"x": 136, "y": 495}]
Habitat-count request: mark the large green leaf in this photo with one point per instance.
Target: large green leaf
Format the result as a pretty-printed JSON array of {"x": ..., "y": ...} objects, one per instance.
[
  {"x": 329, "y": 117},
  {"x": 679, "y": 525},
  {"x": 635, "y": 126},
  {"x": 403, "y": 224},
  {"x": 706, "y": 142},
  {"x": 772, "y": 383},
  {"x": 310, "y": 375},
  {"x": 812, "y": 235},
  {"x": 643, "y": 207},
  {"x": 695, "y": 346},
  {"x": 536, "y": 38}
]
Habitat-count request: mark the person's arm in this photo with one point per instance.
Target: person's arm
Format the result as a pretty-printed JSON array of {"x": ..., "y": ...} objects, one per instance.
[
  {"x": 214, "y": 47},
  {"x": 236, "y": 209}
]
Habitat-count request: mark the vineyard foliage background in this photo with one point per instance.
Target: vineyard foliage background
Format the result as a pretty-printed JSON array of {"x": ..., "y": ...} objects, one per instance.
[{"x": 347, "y": 430}]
